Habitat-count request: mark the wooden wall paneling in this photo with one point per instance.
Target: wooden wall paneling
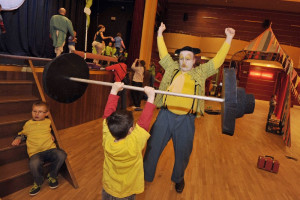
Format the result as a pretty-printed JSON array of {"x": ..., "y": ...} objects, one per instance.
[
  {"x": 209, "y": 21},
  {"x": 243, "y": 74},
  {"x": 234, "y": 13},
  {"x": 12, "y": 75},
  {"x": 260, "y": 87}
]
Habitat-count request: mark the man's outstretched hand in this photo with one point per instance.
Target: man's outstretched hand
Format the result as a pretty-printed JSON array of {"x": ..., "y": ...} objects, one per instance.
[
  {"x": 161, "y": 29},
  {"x": 230, "y": 32}
]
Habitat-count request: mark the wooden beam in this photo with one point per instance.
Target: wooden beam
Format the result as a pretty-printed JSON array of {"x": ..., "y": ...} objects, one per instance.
[{"x": 96, "y": 56}]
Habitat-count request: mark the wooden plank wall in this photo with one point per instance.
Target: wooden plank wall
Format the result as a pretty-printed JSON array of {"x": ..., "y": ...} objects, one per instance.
[
  {"x": 89, "y": 107},
  {"x": 261, "y": 87},
  {"x": 210, "y": 21}
]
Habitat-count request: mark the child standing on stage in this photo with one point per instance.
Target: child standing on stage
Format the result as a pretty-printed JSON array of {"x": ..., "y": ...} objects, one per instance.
[
  {"x": 119, "y": 44},
  {"x": 71, "y": 42},
  {"x": 123, "y": 142}
]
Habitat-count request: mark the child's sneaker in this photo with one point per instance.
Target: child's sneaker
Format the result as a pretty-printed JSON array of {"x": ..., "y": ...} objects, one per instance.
[
  {"x": 35, "y": 189},
  {"x": 53, "y": 183}
]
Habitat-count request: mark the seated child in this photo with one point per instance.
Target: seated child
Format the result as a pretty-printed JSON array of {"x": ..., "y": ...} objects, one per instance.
[
  {"x": 41, "y": 147},
  {"x": 123, "y": 142},
  {"x": 108, "y": 52},
  {"x": 108, "y": 49},
  {"x": 113, "y": 51}
]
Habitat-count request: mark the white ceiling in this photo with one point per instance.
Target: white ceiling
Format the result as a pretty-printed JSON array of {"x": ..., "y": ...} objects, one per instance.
[{"x": 277, "y": 5}]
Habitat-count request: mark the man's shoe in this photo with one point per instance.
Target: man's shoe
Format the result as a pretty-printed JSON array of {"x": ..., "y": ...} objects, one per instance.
[
  {"x": 35, "y": 189},
  {"x": 53, "y": 183},
  {"x": 179, "y": 186}
]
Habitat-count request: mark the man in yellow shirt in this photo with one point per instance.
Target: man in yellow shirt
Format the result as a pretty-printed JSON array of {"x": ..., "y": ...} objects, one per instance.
[
  {"x": 41, "y": 147},
  {"x": 177, "y": 117}
]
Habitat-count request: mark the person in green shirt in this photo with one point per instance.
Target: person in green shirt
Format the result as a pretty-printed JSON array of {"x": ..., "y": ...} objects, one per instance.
[
  {"x": 151, "y": 70},
  {"x": 108, "y": 52},
  {"x": 108, "y": 49},
  {"x": 113, "y": 52},
  {"x": 59, "y": 27}
]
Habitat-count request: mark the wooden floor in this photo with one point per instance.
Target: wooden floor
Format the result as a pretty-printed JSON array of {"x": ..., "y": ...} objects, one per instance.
[{"x": 221, "y": 167}]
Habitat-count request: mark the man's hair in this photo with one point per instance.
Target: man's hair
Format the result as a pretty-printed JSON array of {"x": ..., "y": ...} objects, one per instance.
[
  {"x": 0, "y": 6},
  {"x": 119, "y": 34},
  {"x": 119, "y": 123},
  {"x": 142, "y": 62},
  {"x": 41, "y": 103},
  {"x": 100, "y": 27}
]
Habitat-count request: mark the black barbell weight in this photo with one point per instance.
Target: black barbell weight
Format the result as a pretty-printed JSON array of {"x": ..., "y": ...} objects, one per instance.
[
  {"x": 66, "y": 78},
  {"x": 55, "y": 78}
]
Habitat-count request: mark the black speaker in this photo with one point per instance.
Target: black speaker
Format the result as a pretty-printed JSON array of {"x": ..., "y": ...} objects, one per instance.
[{"x": 185, "y": 16}]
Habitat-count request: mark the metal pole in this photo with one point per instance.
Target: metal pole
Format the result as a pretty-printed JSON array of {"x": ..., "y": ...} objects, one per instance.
[
  {"x": 142, "y": 90},
  {"x": 86, "y": 31}
]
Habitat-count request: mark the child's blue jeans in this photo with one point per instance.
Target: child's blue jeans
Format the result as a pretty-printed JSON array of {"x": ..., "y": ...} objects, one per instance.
[{"x": 54, "y": 156}]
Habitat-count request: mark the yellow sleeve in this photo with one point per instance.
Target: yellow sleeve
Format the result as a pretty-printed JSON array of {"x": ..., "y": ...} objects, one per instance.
[
  {"x": 105, "y": 130},
  {"x": 25, "y": 129},
  {"x": 162, "y": 49},
  {"x": 221, "y": 55}
]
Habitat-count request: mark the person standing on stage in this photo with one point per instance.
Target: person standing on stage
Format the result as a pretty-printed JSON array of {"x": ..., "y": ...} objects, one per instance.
[
  {"x": 119, "y": 44},
  {"x": 59, "y": 27}
]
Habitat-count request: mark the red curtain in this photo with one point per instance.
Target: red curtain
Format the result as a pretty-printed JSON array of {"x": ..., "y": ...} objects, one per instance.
[
  {"x": 281, "y": 94},
  {"x": 136, "y": 31}
]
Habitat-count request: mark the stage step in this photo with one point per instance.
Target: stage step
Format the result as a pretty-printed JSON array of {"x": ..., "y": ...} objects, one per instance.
[
  {"x": 16, "y": 104},
  {"x": 10, "y": 125},
  {"x": 15, "y": 87},
  {"x": 15, "y": 118},
  {"x": 9, "y": 153},
  {"x": 14, "y": 176}
]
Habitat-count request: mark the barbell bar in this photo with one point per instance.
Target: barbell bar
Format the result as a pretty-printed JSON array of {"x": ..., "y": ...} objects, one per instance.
[
  {"x": 129, "y": 87},
  {"x": 66, "y": 78}
]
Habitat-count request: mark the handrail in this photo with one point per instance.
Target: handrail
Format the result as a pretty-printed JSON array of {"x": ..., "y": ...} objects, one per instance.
[{"x": 24, "y": 57}]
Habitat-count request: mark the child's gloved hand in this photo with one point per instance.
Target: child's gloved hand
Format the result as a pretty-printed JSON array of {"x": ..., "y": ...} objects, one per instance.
[
  {"x": 117, "y": 86},
  {"x": 150, "y": 92}
]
